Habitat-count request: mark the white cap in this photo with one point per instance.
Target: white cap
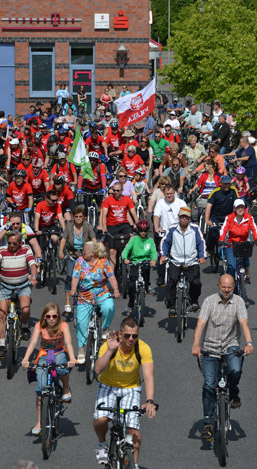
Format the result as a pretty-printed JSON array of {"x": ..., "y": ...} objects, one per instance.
[
  {"x": 14, "y": 141},
  {"x": 238, "y": 202},
  {"x": 172, "y": 113},
  {"x": 251, "y": 140}
]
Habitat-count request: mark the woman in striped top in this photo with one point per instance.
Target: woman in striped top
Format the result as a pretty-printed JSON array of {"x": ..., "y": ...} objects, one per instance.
[{"x": 207, "y": 182}]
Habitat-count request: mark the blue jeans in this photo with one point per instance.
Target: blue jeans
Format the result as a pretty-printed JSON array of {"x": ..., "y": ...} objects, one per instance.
[
  {"x": 210, "y": 366},
  {"x": 231, "y": 259},
  {"x": 84, "y": 312},
  {"x": 69, "y": 269},
  {"x": 223, "y": 150},
  {"x": 61, "y": 358}
]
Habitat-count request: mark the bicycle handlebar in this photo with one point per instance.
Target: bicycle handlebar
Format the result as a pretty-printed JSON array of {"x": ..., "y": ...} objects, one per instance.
[
  {"x": 94, "y": 301},
  {"x": 114, "y": 410}
]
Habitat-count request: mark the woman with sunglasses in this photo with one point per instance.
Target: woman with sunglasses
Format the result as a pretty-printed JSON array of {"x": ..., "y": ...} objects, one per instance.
[
  {"x": 106, "y": 99},
  {"x": 158, "y": 193},
  {"x": 124, "y": 91},
  {"x": 139, "y": 248},
  {"x": 55, "y": 335},
  {"x": 127, "y": 186},
  {"x": 207, "y": 182}
]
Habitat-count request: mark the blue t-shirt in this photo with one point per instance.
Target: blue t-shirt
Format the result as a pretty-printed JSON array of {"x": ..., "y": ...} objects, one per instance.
[
  {"x": 30, "y": 116},
  {"x": 49, "y": 121},
  {"x": 249, "y": 151}
]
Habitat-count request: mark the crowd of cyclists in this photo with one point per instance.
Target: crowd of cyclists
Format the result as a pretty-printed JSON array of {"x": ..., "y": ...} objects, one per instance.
[{"x": 189, "y": 179}]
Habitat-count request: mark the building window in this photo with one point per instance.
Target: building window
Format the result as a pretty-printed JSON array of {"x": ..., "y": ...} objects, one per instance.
[
  {"x": 41, "y": 71},
  {"x": 82, "y": 55}
]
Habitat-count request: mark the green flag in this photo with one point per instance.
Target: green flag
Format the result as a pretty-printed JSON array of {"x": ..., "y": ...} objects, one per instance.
[{"x": 79, "y": 157}]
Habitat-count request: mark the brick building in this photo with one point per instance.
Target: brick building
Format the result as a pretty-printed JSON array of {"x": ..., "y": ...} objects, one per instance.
[{"x": 47, "y": 43}]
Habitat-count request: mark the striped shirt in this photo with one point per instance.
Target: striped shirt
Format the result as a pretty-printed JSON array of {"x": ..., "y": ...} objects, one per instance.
[
  {"x": 223, "y": 327},
  {"x": 14, "y": 268}
]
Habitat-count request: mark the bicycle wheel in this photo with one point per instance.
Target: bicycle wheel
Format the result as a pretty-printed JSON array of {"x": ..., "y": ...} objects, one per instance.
[
  {"x": 10, "y": 350},
  {"x": 214, "y": 259},
  {"x": 43, "y": 271},
  {"x": 90, "y": 362},
  {"x": 56, "y": 413},
  {"x": 91, "y": 217},
  {"x": 74, "y": 314},
  {"x": 46, "y": 426},
  {"x": 202, "y": 225},
  {"x": 180, "y": 317},
  {"x": 52, "y": 273},
  {"x": 242, "y": 286},
  {"x": 113, "y": 458},
  {"x": 124, "y": 286},
  {"x": 128, "y": 459},
  {"x": 140, "y": 213},
  {"x": 140, "y": 306},
  {"x": 99, "y": 332},
  {"x": 222, "y": 417},
  {"x": 61, "y": 263}
]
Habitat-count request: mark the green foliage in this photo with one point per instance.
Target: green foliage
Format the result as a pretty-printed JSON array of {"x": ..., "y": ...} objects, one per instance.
[
  {"x": 214, "y": 51},
  {"x": 160, "y": 17}
]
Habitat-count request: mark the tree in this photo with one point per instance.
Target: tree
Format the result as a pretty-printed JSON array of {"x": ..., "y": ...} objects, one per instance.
[
  {"x": 159, "y": 28},
  {"x": 214, "y": 50}
]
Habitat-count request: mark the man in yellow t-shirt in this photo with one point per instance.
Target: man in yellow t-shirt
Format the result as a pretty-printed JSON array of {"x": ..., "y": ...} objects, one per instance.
[{"x": 118, "y": 374}]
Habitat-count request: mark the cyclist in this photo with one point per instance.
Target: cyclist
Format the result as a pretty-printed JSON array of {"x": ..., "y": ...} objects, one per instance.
[
  {"x": 118, "y": 375},
  {"x": 64, "y": 139},
  {"x": 221, "y": 316},
  {"x": 208, "y": 181},
  {"x": 140, "y": 184},
  {"x": 53, "y": 148},
  {"x": 246, "y": 156},
  {"x": 97, "y": 144},
  {"x": 219, "y": 204},
  {"x": 45, "y": 136},
  {"x": 139, "y": 248},
  {"x": 14, "y": 154},
  {"x": 25, "y": 136},
  {"x": 132, "y": 161},
  {"x": 91, "y": 125},
  {"x": 170, "y": 135},
  {"x": 15, "y": 262},
  {"x": 114, "y": 210},
  {"x": 241, "y": 183},
  {"x": 128, "y": 139},
  {"x": 237, "y": 227},
  {"x": 65, "y": 168},
  {"x": 65, "y": 195},
  {"x": 33, "y": 151},
  {"x": 46, "y": 213},
  {"x": 91, "y": 277},
  {"x": 38, "y": 143},
  {"x": 28, "y": 235},
  {"x": 98, "y": 184},
  {"x": 158, "y": 145},
  {"x": 38, "y": 179},
  {"x": 114, "y": 136},
  {"x": 217, "y": 159},
  {"x": 26, "y": 164},
  {"x": 55, "y": 335},
  {"x": 183, "y": 244},
  {"x": 19, "y": 194}
]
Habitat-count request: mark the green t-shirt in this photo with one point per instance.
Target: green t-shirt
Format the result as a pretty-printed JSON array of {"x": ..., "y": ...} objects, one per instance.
[
  {"x": 159, "y": 149},
  {"x": 140, "y": 249}
]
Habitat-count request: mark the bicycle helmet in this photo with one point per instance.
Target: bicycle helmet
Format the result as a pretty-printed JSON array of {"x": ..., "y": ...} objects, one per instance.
[
  {"x": 43, "y": 126},
  {"x": 53, "y": 138},
  {"x": 38, "y": 136},
  {"x": 37, "y": 162},
  {"x": 20, "y": 173},
  {"x": 240, "y": 170},
  {"x": 59, "y": 179},
  {"x": 143, "y": 225},
  {"x": 93, "y": 154},
  {"x": 92, "y": 124},
  {"x": 114, "y": 124},
  {"x": 61, "y": 131},
  {"x": 140, "y": 171}
]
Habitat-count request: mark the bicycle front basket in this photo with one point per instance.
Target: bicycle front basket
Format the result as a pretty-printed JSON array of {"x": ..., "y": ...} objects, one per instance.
[{"x": 244, "y": 249}]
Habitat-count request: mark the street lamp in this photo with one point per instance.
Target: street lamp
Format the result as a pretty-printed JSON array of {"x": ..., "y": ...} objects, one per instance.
[{"x": 122, "y": 58}]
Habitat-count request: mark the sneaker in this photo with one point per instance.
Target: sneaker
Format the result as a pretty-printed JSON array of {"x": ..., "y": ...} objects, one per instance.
[
  {"x": 2, "y": 351},
  {"x": 160, "y": 282},
  {"x": 130, "y": 310},
  {"x": 81, "y": 356},
  {"x": 194, "y": 307},
  {"x": 67, "y": 309},
  {"x": 207, "y": 432},
  {"x": 149, "y": 290},
  {"x": 67, "y": 398},
  {"x": 102, "y": 455},
  {"x": 172, "y": 313},
  {"x": 25, "y": 333},
  {"x": 247, "y": 279},
  {"x": 105, "y": 333},
  {"x": 36, "y": 431},
  {"x": 235, "y": 402}
]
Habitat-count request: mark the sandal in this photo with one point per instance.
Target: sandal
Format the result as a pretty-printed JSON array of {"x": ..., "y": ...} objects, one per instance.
[
  {"x": 36, "y": 431},
  {"x": 81, "y": 358},
  {"x": 66, "y": 397}
]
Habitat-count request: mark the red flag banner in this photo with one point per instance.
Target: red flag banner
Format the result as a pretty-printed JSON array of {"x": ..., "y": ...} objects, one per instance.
[{"x": 133, "y": 107}]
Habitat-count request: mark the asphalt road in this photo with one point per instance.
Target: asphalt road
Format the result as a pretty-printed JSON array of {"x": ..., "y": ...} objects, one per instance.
[{"x": 171, "y": 440}]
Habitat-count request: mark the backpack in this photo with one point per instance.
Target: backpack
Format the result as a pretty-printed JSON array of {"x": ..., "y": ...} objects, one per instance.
[
  {"x": 137, "y": 352},
  {"x": 164, "y": 98}
]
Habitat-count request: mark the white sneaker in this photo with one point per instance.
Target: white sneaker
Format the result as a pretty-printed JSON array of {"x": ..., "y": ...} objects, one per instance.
[
  {"x": 105, "y": 333},
  {"x": 81, "y": 356},
  {"x": 67, "y": 309},
  {"x": 102, "y": 455}
]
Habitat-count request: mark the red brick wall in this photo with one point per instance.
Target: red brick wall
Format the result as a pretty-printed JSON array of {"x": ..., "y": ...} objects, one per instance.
[{"x": 135, "y": 39}]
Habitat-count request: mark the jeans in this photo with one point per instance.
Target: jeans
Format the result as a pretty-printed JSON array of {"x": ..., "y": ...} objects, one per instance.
[
  {"x": 223, "y": 150},
  {"x": 249, "y": 173},
  {"x": 69, "y": 269},
  {"x": 210, "y": 366},
  {"x": 231, "y": 259},
  {"x": 61, "y": 358},
  {"x": 84, "y": 312}
]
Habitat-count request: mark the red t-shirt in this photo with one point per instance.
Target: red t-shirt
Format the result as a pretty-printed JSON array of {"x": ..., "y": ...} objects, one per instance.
[
  {"x": 95, "y": 145},
  {"x": 124, "y": 146},
  {"x": 16, "y": 155},
  {"x": 21, "y": 166},
  {"x": 64, "y": 195},
  {"x": 37, "y": 182},
  {"x": 47, "y": 214},
  {"x": 114, "y": 140},
  {"x": 117, "y": 209},
  {"x": 23, "y": 139},
  {"x": 66, "y": 142},
  {"x": 36, "y": 154},
  {"x": 171, "y": 138},
  {"x": 100, "y": 178},
  {"x": 19, "y": 195},
  {"x": 131, "y": 164},
  {"x": 44, "y": 141},
  {"x": 67, "y": 170}
]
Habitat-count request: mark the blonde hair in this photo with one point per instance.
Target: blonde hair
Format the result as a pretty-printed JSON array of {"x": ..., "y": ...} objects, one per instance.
[
  {"x": 164, "y": 180},
  {"x": 191, "y": 137},
  {"x": 121, "y": 170},
  {"x": 43, "y": 323},
  {"x": 97, "y": 248}
]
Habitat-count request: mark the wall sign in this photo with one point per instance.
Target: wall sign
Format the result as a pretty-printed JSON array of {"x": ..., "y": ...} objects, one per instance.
[
  {"x": 102, "y": 21},
  {"x": 121, "y": 21},
  {"x": 27, "y": 24},
  {"x": 82, "y": 77}
]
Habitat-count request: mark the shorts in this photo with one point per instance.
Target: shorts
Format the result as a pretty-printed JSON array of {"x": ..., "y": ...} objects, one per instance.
[
  {"x": 122, "y": 228},
  {"x": 42, "y": 240},
  {"x": 108, "y": 395},
  {"x": 6, "y": 290}
]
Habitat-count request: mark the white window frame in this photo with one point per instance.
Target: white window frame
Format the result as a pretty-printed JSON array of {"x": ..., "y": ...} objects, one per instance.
[{"x": 35, "y": 50}]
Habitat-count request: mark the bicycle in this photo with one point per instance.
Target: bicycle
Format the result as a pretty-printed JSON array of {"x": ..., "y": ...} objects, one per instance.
[
  {"x": 182, "y": 305},
  {"x": 222, "y": 405},
  {"x": 140, "y": 292},
  {"x": 120, "y": 241},
  {"x": 121, "y": 442},
  {"x": 13, "y": 330},
  {"x": 240, "y": 251},
  {"x": 48, "y": 265},
  {"x": 92, "y": 207},
  {"x": 140, "y": 208},
  {"x": 215, "y": 253},
  {"x": 94, "y": 336}
]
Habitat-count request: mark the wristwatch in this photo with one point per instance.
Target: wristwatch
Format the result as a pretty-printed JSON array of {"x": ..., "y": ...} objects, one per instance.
[
  {"x": 149, "y": 401},
  {"x": 249, "y": 343}
]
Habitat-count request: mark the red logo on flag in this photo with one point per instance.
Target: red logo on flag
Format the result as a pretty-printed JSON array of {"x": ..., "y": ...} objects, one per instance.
[{"x": 136, "y": 102}]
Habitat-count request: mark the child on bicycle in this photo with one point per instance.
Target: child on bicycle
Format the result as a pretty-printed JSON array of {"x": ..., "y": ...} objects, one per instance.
[
  {"x": 240, "y": 181},
  {"x": 55, "y": 335},
  {"x": 139, "y": 248},
  {"x": 140, "y": 183}
]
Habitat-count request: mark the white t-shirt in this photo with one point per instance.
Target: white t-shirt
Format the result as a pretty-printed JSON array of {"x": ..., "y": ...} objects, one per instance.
[
  {"x": 174, "y": 123},
  {"x": 168, "y": 213}
]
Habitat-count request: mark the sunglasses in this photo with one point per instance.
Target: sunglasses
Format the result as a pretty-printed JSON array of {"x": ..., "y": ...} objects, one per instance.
[
  {"x": 12, "y": 244},
  {"x": 127, "y": 336},
  {"x": 175, "y": 165},
  {"x": 116, "y": 190},
  {"x": 163, "y": 184},
  {"x": 51, "y": 316},
  {"x": 143, "y": 231},
  {"x": 16, "y": 223},
  {"x": 25, "y": 159},
  {"x": 53, "y": 200},
  {"x": 131, "y": 151},
  {"x": 122, "y": 176}
]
